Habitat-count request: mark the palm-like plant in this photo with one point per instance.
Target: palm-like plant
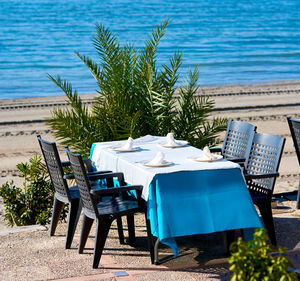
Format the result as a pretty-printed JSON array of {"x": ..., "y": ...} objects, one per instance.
[{"x": 135, "y": 98}]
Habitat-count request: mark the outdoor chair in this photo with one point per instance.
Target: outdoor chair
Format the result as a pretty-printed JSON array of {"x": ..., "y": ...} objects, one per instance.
[
  {"x": 237, "y": 141},
  {"x": 261, "y": 171},
  {"x": 295, "y": 132},
  {"x": 106, "y": 211},
  {"x": 63, "y": 194}
]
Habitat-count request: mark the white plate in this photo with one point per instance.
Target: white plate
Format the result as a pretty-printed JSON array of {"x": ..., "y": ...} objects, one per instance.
[
  {"x": 120, "y": 149},
  {"x": 164, "y": 164},
  {"x": 179, "y": 144},
  {"x": 199, "y": 159}
]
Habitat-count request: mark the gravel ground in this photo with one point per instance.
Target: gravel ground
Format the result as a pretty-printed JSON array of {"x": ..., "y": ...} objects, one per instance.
[{"x": 36, "y": 256}]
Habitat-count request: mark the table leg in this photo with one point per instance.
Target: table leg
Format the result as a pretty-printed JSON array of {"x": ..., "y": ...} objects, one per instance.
[{"x": 156, "y": 251}]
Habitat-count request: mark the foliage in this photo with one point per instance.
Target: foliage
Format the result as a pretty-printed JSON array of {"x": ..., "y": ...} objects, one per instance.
[
  {"x": 135, "y": 98},
  {"x": 33, "y": 203},
  {"x": 252, "y": 261}
]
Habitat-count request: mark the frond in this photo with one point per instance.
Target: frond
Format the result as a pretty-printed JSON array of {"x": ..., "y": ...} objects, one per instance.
[
  {"x": 93, "y": 66},
  {"x": 169, "y": 76},
  {"x": 73, "y": 98},
  {"x": 106, "y": 44}
]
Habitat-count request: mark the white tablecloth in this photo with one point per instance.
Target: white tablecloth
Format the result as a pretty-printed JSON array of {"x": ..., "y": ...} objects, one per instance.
[{"x": 104, "y": 158}]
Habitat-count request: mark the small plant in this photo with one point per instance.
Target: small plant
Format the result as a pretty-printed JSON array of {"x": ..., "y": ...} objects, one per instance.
[
  {"x": 252, "y": 261},
  {"x": 31, "y": 204}
]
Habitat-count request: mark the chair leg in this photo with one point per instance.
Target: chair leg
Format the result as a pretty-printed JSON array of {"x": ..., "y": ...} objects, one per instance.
[
  {"x": 85, "y": 230},
  {"x": 73, "y": 216},
  {"x": 150, "y": 239},
  {"x": 298, "y": 198},
  {"x": 266, "y": 213},
  {"x": 120, "y": 230},
  {"x": 229, "y": 237},
  {"x": 131, "y": 232},
  {"x": 57, "y": 208},
  {"x": 103, "y": 226}
]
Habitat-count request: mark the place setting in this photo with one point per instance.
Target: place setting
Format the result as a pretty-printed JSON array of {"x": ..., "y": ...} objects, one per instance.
[
  {"x": 157, "y": 161},
  {"x": 170, "y": 142},
  {"x": 206, "y": 156},
  {"x": 127, "y": 147}
]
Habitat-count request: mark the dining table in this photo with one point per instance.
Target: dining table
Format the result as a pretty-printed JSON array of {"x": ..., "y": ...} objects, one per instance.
[{"x": 187, "y": 195}]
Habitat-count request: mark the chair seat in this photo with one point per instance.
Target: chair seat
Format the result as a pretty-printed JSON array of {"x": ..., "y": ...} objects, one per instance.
[
  {"x": 74, "y": 192},
  {"x": 115, "y": 206},
  {"x": 258, "y": 196}
]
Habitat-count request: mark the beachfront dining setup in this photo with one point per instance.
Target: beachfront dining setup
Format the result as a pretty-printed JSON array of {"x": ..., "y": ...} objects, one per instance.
[{"x": 185, "y": 190}]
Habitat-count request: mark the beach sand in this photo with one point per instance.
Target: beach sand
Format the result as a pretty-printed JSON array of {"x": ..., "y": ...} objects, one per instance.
[{"x": 265, "y": 106}]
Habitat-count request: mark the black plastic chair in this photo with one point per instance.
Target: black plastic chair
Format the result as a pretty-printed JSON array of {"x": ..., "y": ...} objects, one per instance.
[
  {"x": 237, "y": 141},
  {"x": 295, "y": 132},
  {"x": 261, "y": 171},
  {"x": 105, "y": 212},
  {"x": 63, "y": 194}
]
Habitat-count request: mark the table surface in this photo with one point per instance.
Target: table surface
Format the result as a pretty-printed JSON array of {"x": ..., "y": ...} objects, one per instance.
[
  {"x": 104, "y": 158},
  {"x": 187, "y": 197}
]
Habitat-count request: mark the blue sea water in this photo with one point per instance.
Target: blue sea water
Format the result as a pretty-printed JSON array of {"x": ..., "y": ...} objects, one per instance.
[{"x": 233, "y": 41}]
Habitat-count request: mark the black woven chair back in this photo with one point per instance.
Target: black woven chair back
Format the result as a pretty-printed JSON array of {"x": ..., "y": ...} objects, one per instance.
[
  {"x": 238, "y": 139},
  {"x": 295, "y": 132},
  {"x": 55, "y": 169},
  {"x": 82, "y": 181},
  {"x": 264, "y": 158}
]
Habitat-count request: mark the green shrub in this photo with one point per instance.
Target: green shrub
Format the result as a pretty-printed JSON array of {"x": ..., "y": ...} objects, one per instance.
[
  {"x": 252, "y": 261},
  {"x": 136, "y": 98},
  {"x": 31, "y": 204}
]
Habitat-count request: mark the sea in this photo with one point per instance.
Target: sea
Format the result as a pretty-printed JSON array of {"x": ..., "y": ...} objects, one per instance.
[{"x": 232, "y": 41}]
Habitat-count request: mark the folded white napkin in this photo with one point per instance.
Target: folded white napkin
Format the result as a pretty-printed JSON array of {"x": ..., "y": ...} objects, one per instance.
[
  {"x": 170, "y": 141},
  {"x": 128, "y": 145},
  {"x": 158, "y": 159},
  {"x": 207, "y": 155}
]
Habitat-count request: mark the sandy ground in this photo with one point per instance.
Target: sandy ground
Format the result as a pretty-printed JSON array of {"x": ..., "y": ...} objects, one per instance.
[
  {"x": 265, "y": 106},
  {"x": 27, "y": 256}
]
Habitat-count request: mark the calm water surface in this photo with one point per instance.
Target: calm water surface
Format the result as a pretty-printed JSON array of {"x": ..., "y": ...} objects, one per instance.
[{"x": 232, "y": 41}]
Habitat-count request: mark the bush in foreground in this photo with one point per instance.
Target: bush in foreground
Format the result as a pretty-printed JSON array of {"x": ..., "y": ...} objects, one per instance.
[
  {"x": 252, "y": 261},
  {"x": 31, "y": 204}
]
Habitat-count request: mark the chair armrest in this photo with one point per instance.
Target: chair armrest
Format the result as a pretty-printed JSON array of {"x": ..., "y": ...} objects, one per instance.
[
  {"x": 261, "y": 176},
  {"x": 66, "y": 163},
  {"x": 98, "y": 193},
  {"x": 215, "y": 149},
  {"x": 237, "y": 160},
  {"x": 99, "y": 175},
  {"x": 69, "y": 177},
  {"x": 114, "y": 190},
  {"x": 91, "y": 175},
  {"x": 95, "y": 173}
]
